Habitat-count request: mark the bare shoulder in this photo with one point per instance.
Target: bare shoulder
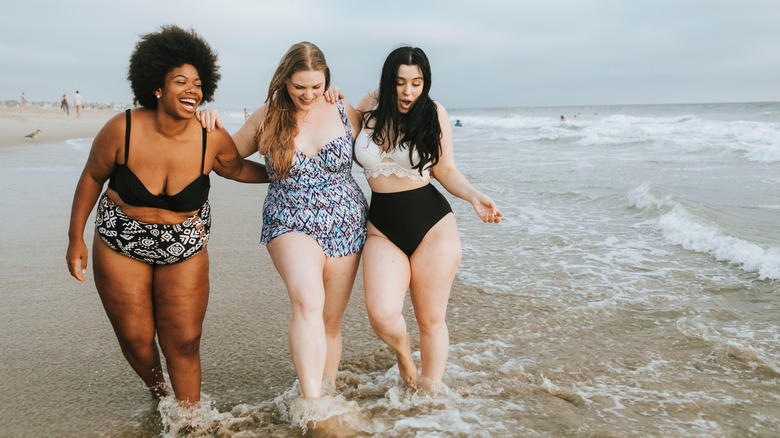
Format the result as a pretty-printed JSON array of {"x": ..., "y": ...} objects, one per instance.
[
  {"x": 353, "y": 116},
  {"x": 219, "y": 136},
  {"x": 440, "y": 108},
  {"x": 348, "y": 108},
  {"x": 112, "y": 132}
]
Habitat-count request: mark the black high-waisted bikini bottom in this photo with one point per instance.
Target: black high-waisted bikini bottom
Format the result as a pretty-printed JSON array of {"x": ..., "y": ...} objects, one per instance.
[
  {"x": 406, "y": 217},
  {"x": 154, "y": 244}
]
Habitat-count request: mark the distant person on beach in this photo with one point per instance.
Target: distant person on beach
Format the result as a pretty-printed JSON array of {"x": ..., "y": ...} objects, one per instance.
[
  {"x": 78, "y": 103},
  {"x": 457, "y": 123},
  {"x": 64, "y": 104},
  {"x": 246, "y": 115},
  {"x": 24, "y": 100},
  {"x": 149, "y": 255},
  {"x": 413, "y": 240},
  {"x": 314, "y": 213}
]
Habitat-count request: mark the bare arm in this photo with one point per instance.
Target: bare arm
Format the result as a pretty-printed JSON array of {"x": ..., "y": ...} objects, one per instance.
[
  {"x": 228, "y": 162},
  {"x": 244, "y": 138},
  {"x": 100, "y": 165},
  {"x": 367, "y": 103},
  {"x": 451, "y": 179}
]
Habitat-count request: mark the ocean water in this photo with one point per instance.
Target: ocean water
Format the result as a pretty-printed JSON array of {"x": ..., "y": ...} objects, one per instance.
[{"x": 633, "y": 289}]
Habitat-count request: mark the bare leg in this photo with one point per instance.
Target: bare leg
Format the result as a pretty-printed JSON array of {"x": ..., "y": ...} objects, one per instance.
[
  {"x": 338, "y": 279},
  {"x": 386, "y": 274},
  {"x": 181, "y": 294},
  {"x": 300, "y": 262},
  {"x": 434, "y": 265},
  {"x": 125, "y": 288}
]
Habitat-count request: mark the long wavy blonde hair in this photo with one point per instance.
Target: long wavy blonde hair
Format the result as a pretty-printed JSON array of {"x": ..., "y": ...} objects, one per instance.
[{"x": 278, "y": 129}]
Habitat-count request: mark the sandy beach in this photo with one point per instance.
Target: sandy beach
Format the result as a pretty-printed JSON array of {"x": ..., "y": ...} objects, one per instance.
[
  {"x": 77, "y": 381},
  {"x": 55, "y": 125},
  {"x": 630, "y": 291}
]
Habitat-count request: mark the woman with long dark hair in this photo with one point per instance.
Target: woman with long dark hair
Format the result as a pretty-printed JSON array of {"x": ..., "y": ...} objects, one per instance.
[{"x": 413, "y": 240}]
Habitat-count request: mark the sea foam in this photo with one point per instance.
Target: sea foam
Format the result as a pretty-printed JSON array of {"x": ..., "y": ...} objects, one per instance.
[{"x": 681, "y": 227}]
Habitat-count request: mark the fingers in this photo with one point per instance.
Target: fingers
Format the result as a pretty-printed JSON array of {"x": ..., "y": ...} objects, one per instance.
[
  {"x": 73, "y": 267},
  {"x": 209, "y": 119},
  {"x": 490, "y": 213},
  {"x": 202, "y": 117},
  {"x": 329, "y": 96},
  {"x": 80, "y": 276},
  {"x": 333, "y": 94}
]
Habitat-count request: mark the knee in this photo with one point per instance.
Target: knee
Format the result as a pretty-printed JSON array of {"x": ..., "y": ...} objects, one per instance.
[
  {"x": 136, "y": 341},
  {"x": 332, "y": 326},
  {"x": 182, "y": 345},
  {"x": 308, "y": 308},
  {"x": 431, "y": 324},
  {"x": 382, "y": 320}
]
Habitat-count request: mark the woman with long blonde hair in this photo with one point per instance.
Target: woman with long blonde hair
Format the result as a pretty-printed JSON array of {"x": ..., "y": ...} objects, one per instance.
[{"x": 314, "y": 216}]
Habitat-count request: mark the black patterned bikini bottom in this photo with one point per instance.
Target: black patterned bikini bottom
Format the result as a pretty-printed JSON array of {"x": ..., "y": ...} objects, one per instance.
[{"x": 154, "y": 244}]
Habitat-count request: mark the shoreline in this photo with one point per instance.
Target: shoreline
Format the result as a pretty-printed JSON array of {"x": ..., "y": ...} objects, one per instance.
[{"x": 55, "y": 126}]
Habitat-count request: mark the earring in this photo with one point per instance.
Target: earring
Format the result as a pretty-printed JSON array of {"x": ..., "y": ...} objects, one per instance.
[{"x": 157, "y": 95}]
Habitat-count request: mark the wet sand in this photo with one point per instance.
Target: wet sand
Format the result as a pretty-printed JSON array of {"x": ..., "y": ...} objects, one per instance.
[{"x": 63, "y": 365}]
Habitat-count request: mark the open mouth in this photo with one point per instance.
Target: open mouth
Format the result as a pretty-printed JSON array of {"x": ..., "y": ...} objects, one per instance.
[
  {"x": 405, "y": 104},
  {"x": 189, "y": 104}
]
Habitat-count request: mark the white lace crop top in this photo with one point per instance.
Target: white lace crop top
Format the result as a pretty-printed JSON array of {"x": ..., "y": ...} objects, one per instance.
[{"x": 375, "y": 161}]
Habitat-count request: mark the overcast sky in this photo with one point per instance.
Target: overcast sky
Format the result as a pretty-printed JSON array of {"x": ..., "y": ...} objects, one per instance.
[{"x": 493, "y": 53}]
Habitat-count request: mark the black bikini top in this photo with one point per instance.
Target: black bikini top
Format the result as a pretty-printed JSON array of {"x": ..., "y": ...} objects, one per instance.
[{"x": 133, "y": 191}]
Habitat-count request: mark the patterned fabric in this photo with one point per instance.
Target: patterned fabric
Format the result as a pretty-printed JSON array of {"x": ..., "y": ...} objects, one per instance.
[
  {"x": 319, "y": 198},
  {"x": 154, "y": 244}
]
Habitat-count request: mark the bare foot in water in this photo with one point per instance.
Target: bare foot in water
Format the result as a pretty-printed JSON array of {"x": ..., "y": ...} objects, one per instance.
[{"x": 406, "y": 366}]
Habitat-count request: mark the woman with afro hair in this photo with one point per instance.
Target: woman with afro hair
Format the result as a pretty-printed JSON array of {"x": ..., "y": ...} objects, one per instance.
[{"x": 149, "y": 256}]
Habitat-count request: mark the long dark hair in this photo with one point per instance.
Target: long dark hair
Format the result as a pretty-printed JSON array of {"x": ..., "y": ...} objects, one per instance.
[{"x": 419, "y": 127}]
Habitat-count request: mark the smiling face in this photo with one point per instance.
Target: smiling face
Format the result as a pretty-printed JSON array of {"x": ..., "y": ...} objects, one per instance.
[
  {"x": 305, "y": 88},
  {"x": 182, "y": 91},
  {"x": 409, "y": 86}
]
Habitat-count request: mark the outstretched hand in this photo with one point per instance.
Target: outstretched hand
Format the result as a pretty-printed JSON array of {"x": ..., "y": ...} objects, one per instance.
[
  {"x": 209, "y": 119},
  {"x": 486, "y": 209}
]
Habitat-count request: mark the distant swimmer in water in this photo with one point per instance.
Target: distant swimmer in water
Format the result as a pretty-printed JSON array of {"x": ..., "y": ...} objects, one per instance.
[
  {"x": 563, "y": 119},
  {"x": 457, "y": 123}
]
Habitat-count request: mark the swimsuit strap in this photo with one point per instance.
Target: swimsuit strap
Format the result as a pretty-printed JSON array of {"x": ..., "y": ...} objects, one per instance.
[
  {"x": 127, "y": 134},
  {"x": 203, "y": 155},
  {"x": 345, "y": 119}
]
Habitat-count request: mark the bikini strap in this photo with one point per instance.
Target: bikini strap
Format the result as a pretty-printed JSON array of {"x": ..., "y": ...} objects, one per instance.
[
  {"x": 127, "y": 134},
  {"x": 203, "y": 155},
  {"x": 344, "y": 118}
]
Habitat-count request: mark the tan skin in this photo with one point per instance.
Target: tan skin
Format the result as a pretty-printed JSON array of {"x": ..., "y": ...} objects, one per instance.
[{"x": 142, "y": 300}]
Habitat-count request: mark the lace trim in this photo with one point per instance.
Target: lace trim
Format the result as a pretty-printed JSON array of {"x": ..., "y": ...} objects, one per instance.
[{"x": 387, "y": 169}]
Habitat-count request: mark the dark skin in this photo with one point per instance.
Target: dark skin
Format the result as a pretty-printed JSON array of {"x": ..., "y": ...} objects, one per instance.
[{"x": 140, "y": 299}]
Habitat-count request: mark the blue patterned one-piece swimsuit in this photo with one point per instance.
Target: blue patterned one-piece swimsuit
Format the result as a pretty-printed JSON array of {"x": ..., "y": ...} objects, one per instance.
[{"x": 319, "y": 198}]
